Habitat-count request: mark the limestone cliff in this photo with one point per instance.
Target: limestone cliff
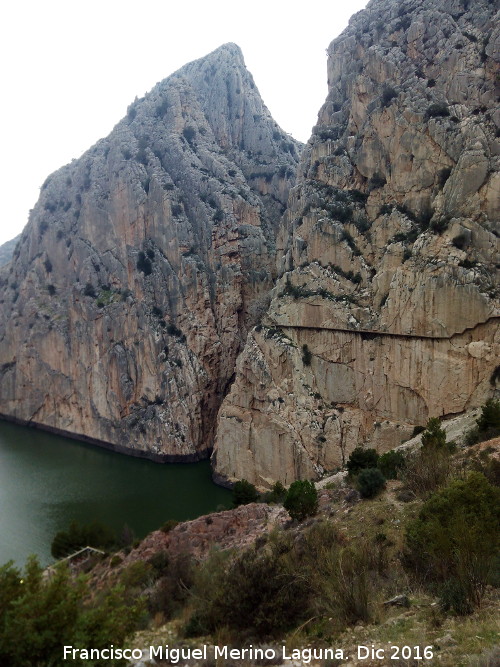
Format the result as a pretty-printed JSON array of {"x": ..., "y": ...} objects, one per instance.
[
  {"x": 386, "y": 308},
  {"x": 145, "y": 263}
]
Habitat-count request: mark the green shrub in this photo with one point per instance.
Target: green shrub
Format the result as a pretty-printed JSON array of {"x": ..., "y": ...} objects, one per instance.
[
  {"x": 456, "y": 537},
  {"x": 159, "y": 561},
  {"x": 301, "y": 500},
  {"x": 162, "y": 108},
  {"x": 173, "y": 587},
  {"x": 361, "y": 458},
  {"x": 490, "y": 416},
  {"x": 472, "y": 436},
  {"x": 136, "y": 575},
  {"x": 169, "y": 525},
  {"x": 460, "y": 241},
  {"x": 306, "y": 355},
  {"x": 141, "y": 155},
  {"x": 467, "y": 263},
  {"x": 370, "y": 482},
  {"x": 89, "y": 290},
  {"x": 258, "y": 594},
  {"x": 487, "y": 465},
  {"x": 376, "y": 181},
  {"x": 488, "y": 424},
  {"x": 339, "y": 576},
  {"x": 244, "y": 492},
  {"x": 434, "y": 437},
  {"x": 426, "y": 470},
  {"x": 391, "y": 463},
  {"x": 388, "y": 94},
  {"x": 51, "y": 612},
  {"x": 453, "y": 597},
  {"x": 277, "y": 493},
  {"x": 430, "y": 467},
  {"x": 189, "y": 133},
  {"x": 218, "y": 216},
  {"x": 172, "y": 330},
  {"x": 436, "y": 110},
  {"x": 78, "y": 535},
  {"x": 440, "y": 224},
  {"x": 350, "y": 585},
  {"x": 144, "y": 264}
]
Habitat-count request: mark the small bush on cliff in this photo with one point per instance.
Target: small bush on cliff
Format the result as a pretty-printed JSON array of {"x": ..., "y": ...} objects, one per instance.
[
  {"x": 172, "y": 589},
  {"x": 277, "y": 493},
  {"x": 306, "y": 355},
  {"x": 144, "y": 264},
  {"x": 490, "y": 416},
  {"x": 388, "y": 94},
  {"x": 258, "y": 594},
  {"x": 370, "y": 482},
  {"x": 189, "y": 133},
  {"x": 455, "y": 539},
  {"x": 244, "y": 492},
  {"x": 488, "y": 424},
  {"x": 436, "y": 110},
  {"x": 169, "y": 525},
  {"x": 361, "y": 458},
  {"x": 391, "y": 463},
  {"x": 430, "y": 467},
  {"x": 301, "y": 500},
  {"x": 89, "y": 290},
  {"x": 434, "y": 437}
]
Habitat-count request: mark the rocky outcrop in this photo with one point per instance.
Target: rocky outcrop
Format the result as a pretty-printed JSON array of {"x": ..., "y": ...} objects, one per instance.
[
  {"x": 231, "y": 529},
  {"x": 386, "y": 310},
  {"x": 144, "y": 265}
]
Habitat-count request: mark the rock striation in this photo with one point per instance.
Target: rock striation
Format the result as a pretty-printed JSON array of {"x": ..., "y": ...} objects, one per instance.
[
  {"x": 386, "y": 307},
  {"x": 144, "y": 265}
]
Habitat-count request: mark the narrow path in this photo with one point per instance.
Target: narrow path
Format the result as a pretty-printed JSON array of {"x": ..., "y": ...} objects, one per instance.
[{"x": 374, "y": 333}]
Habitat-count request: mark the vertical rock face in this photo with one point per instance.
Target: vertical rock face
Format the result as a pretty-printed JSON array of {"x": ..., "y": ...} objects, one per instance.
[
  {"x": 386, "y": 308},
  {"x": 145, "y": 263}
]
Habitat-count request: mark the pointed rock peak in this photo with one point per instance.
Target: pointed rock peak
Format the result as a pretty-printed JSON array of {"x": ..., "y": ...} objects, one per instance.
[
  {"x": 230, "y": 49},
  {"x": 224, "y": 56}
]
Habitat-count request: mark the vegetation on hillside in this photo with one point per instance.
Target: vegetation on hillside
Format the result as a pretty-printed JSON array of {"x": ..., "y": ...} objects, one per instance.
[
  {"x": 426, "y": 540},
  {"x": 39, "y": 615}
]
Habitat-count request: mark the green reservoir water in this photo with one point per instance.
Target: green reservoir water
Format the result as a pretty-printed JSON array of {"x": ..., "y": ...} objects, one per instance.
[{"x": 47, "y": 481}]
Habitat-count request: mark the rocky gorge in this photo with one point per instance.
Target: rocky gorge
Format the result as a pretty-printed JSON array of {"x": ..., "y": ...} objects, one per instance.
[{"x": 188, "y": 285}]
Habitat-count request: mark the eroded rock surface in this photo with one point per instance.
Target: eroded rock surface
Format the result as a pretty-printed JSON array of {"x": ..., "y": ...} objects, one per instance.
[
  {"x": 386, "y": 308},
  {"x": 144, "y": 265}
]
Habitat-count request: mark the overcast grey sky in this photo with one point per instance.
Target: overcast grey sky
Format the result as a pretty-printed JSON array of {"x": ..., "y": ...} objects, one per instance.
[{"x": 71, "y": 68}]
